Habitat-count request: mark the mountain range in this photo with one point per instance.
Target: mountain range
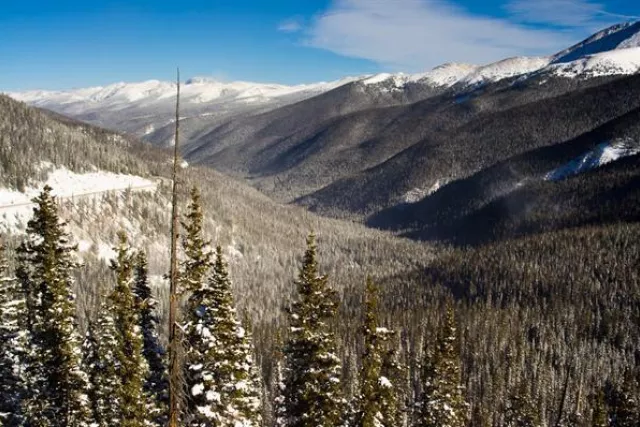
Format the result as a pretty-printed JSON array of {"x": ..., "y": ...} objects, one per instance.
[{"x": 381, "y": 148}]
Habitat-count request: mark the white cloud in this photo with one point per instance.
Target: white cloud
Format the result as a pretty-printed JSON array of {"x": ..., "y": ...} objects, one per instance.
[
  {"x": 563, "y": 13},
  {"x": 292, "y": 25},
  {"x": 414, "y": 35}
]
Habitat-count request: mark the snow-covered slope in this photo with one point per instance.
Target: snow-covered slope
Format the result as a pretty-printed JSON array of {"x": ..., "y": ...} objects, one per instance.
[
  {"x": 615, "y": 62},
  {"x": 16, "y": 206},
  {"x": 506, "y": 68},
  {"x": 604, "y": 153},
  {"x": 466, "y": 75},
  {"x": 442, "y": 76}
]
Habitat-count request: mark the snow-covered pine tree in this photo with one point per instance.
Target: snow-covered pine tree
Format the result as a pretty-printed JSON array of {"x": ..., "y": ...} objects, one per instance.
[
  {"x": 313, "y": 390},
  {"x": 377, "y": 405},
  {"x": 253, "y": 404},
  {"x": 277, "y": 385},
  {"x": 13, "y": 347},
  {"x": 156, "y": 384},
  {"x": 393, "y": 408},
  {"x": 443, "y": 404},
  {"x": 101, "y": 363},
  {"x": 192, "y": 278},
  {"x": 221, "y": 374},
  {"x": 132, "y": 366},
  {"x": 197, "y": 255},
  {"x": 56, "y": 381}
]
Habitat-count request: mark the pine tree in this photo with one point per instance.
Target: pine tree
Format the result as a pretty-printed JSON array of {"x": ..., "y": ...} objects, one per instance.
[
  {"x": 13, "y": 347},
  {"x": 221, "y": 377},
  {"x": 313, "y": 391},
  {"x": 156, "y": 384},
  {"x": 192, "y": 277},
  {"x": 392, "y": 396},
  {"x": 443, "y": 404},
  {"x": 377, "y": 405},
  {"x": 277, "y": 385},
  {"x": 132, "y": 366},
  {"x": 197, "y": 262},
  {"x": 46, "y": 259},
  {"x": 101, "y": 363}
]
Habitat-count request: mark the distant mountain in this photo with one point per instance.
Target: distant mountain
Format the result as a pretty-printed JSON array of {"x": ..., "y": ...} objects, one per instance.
[{"x": 141, "y": 108}]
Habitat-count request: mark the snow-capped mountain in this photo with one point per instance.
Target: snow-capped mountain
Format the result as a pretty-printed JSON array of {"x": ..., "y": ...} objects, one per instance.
[
  {"x": 147, "y": 108},
  {"x": 141, "y": 108},
  {"x": 197, "y": 90},
  {"x": 619, "y": 36}
]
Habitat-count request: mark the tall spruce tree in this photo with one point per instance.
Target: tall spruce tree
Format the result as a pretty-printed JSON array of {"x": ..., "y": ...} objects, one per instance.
[
  {"x": 13, "y": 347},
  {"x": 377, "y": 404},
  {"x": 56, "y": 381},
  {"x": 392, "y": 395},
  {"x": 277, "y": 394},
  {"x": 443, "y": 404},
  {"x": 156, "y": 384},
  {"x": 132, "y": 366},
  {"x": 197, "y": 255},
  {"x": 101, "y": 363},
  {"x": 222, "y": 382},
  {"x": 313, "y": 391},
  {"x": 193, "y": 271}
]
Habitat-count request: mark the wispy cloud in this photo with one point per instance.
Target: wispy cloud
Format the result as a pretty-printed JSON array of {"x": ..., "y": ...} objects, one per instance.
[
  {"x": 419, "y": 34},
  {"x": 564, "y": 13},
  {"x": 292, "y": 25}
]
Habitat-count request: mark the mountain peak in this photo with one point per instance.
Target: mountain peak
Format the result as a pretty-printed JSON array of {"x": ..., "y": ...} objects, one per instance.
[{"x": 619, "y": 36}]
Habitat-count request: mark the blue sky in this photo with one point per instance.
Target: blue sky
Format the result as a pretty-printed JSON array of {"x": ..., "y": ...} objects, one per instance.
[{"x": 61, "y": 44}]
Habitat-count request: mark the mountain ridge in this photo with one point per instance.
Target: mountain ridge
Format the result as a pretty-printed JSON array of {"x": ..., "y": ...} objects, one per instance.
[{"x": 373, "y": 142}]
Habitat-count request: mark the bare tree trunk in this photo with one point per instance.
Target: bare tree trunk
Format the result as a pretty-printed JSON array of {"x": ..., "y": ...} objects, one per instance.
[
  {"x": 564, "y": 395},
  {"x": 175, "y": 386}
]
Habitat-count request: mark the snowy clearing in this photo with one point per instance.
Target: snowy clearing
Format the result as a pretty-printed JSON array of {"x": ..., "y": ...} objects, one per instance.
[{"x": 16, "y": 207}]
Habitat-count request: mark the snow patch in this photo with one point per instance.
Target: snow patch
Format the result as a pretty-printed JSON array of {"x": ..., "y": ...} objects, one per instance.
[
  {"x": 384, "y": 382},
  {"x": 16, "y": 207},
  {"x": 604, "y": 153},
  {"x": 417, "y": 194}
]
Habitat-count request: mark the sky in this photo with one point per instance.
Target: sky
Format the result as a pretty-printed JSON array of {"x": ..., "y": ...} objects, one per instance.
[{"x": 64, "y": 44}]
